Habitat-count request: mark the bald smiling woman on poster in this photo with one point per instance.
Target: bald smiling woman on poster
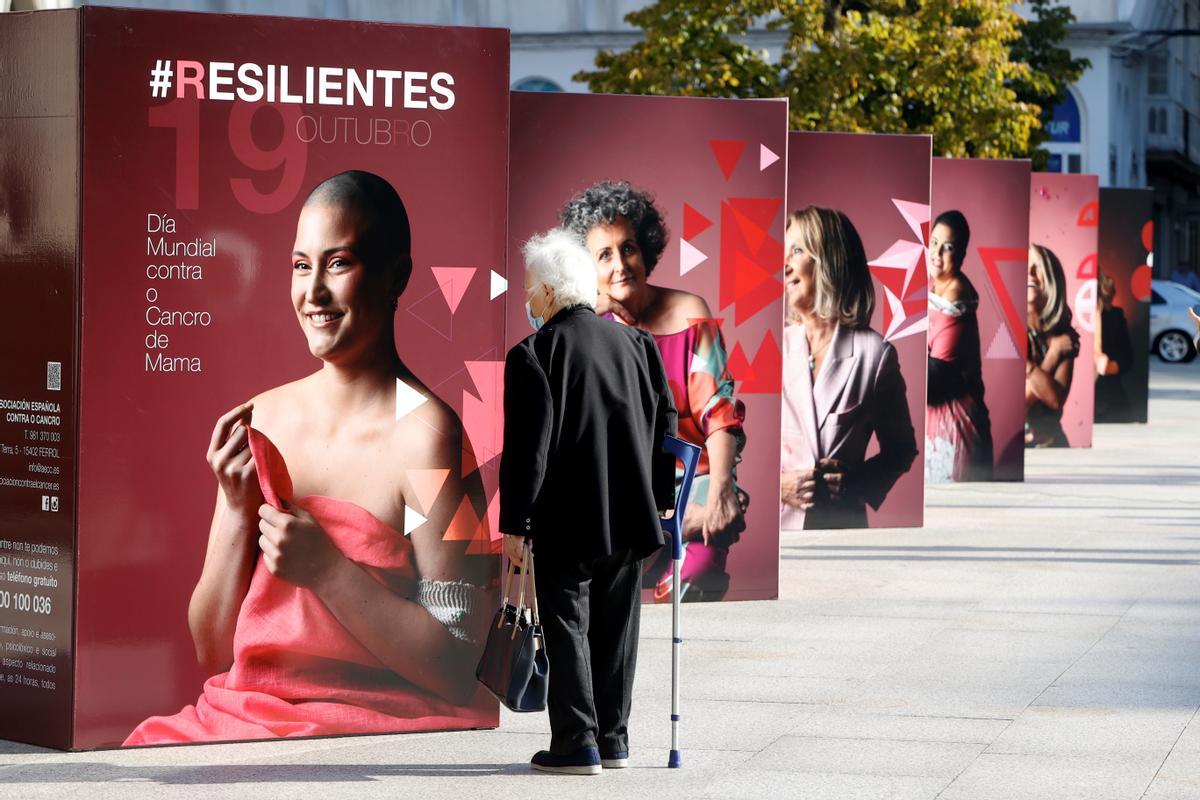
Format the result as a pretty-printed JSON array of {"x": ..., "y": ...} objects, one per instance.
[
  {"x": 314, "y": 613},
  {"x": 842, "y": 381}
]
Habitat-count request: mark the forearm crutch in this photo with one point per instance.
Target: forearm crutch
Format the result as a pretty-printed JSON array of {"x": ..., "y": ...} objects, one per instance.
[{"x": 689, "y": 455}]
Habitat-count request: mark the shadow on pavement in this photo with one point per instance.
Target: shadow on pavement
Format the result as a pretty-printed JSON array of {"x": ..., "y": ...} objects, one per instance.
[
  {"x": 216, "y": 774},
  {"x": 818, "y": 552}
]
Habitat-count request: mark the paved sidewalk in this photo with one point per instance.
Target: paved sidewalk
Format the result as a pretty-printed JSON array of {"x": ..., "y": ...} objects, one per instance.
[{"x": 1033, "y": 641}]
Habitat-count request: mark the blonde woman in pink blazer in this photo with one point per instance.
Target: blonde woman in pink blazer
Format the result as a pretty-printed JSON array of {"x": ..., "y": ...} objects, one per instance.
[{"x": 842, "y": 382}]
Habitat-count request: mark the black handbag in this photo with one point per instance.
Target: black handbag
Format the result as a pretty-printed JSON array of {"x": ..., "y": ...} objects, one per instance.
[{"x": 514, "y": 666}]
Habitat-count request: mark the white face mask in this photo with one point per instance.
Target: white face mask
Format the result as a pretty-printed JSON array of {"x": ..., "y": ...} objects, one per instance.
[{"x": 534, "y": 322}]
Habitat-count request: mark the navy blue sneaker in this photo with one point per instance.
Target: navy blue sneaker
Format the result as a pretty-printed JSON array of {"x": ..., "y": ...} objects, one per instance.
[
  {"x": 617, "y": 760},
  {"x": 584, "y": 761}
]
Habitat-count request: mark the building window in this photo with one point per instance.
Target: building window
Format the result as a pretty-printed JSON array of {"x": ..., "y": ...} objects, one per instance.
[
  {"x": 1162, "y": 120},
  {"x": 1156, "y": 72},
  {"x": 536, "y": 84},
  {"x": 1075, "y": 163},
  {"x": 1153, "y": 121}
]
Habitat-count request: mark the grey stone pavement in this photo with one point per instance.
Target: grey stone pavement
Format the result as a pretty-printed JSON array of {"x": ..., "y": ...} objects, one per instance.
[{"x": 1032, "y": 641}]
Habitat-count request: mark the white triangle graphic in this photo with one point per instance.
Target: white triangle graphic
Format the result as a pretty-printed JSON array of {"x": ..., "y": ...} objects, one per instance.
[
  {"x": 689, "y": 257},
  {"x": 407, "y": 399},
  {"x": 499, "y": 285},
  {"x": 412, "y": 520},
  {"x": 766, "y": 157},
  {"x": 1002, "y": 346}
]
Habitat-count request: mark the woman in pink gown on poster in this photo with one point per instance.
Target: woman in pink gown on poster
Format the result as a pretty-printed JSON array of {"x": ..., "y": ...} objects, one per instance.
[
  {"x": 323, "y": 607},
  {"x": 625, "y": 234},
  {"x": 958, "y": 430}
]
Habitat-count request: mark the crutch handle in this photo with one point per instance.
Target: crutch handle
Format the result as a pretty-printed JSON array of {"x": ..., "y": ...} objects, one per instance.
[{"x": 689, "y": 455}]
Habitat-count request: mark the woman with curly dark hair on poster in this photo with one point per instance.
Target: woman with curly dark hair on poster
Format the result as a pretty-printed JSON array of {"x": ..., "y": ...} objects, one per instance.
[{"x": 625, "y": 234}]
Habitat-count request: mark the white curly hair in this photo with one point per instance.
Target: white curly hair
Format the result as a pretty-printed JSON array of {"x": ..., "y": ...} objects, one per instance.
[{"x": 557, "y": 259}]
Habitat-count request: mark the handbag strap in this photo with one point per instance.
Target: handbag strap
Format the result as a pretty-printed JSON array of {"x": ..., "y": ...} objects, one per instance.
[
  {"x": 532, "y": 582},
  {"x": 512, "y": 568}
]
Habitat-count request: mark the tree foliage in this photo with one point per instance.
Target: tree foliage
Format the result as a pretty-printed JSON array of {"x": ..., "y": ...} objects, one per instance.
[{"x": 972, "y": 73}]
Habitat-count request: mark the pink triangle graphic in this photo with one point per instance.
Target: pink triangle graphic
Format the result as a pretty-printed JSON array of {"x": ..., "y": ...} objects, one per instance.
[
  {"x": 481, "y": 416},
  {"x": 1002, "y": 346},
  {"x": 426, "y": 484},
  {"x": 917, "y": 217},
  {"x": 901, "y": 255},
  {"x": 690, "y": 257},
  {"x": 766, "y": 157},
  {"x": 909, "y": 326},
  {"x": 453, "y": 282}
]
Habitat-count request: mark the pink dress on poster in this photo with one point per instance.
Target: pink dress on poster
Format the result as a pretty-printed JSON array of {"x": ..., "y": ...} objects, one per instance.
[
  {"x": 296, "y": 670},
  {"x": 958, "y": 429},
  {"x": 697, "y": 370}
]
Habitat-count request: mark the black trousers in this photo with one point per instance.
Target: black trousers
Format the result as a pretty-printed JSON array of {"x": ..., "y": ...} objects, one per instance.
[{"x": 590, "y": 613}]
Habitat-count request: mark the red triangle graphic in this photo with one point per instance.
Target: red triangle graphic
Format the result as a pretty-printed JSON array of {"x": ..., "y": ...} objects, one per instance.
[
  {"x": 991, "y": 257},
  {"x": 749, "y": 304},
  {"x": 729, "y": 247},
  {"x": 749, "y": 276},
  {"x": 760, "y": 210},
  {"x": 891, "y": 278},
  {"x": 767, "y": 369},
  {"x": 465, "y": 525},
  {"x": 694, "y": 223},
  {"x": 727, "y": 151},
  {"x": 738, "y": 365},
  {"x": 751, "y": 232},
  {"x": 769, "y": 263},
  {"x": 1089, "y": 215},
  {"x": 1087, "y": 268}
]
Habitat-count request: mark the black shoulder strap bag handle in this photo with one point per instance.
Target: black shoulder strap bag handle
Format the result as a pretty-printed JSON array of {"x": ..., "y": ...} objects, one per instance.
[{"x": 514, "y": 666}]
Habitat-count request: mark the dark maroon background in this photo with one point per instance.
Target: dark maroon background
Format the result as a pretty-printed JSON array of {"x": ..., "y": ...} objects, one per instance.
[
  {"x": 860, "y": 174},
  {"x": 1124, "y": 216},
  {"x": 39, "y": 233},
  {"x": 994, "y": 197},
  {"x": 1064, "y": 213},
  {"x": 146, "y": 492},
  {"x": 563, "y": 143}
]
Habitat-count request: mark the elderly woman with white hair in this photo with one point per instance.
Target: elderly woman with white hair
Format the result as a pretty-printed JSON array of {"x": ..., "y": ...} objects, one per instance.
[{"x": 583, "y": 474}]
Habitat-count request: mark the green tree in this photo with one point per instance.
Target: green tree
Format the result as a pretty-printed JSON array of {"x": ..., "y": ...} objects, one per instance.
[
  {"x": 1052, "y": 69},
  {"x": 964, "y": 71}
]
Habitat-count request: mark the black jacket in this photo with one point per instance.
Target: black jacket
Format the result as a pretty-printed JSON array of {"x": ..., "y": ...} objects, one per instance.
[{"x": 586, "y": 406}]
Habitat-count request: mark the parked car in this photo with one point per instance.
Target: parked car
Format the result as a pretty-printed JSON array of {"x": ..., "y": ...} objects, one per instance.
[{"x": 1172, "y": 331}]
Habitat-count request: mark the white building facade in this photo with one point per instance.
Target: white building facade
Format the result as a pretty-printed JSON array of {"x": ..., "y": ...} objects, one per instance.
[{"x": 1133, "y": 118}]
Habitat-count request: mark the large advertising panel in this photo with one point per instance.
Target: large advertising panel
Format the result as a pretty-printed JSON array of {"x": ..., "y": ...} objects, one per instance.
[
  {"x": 854, "y": 345},
  {"x": 39, "y": 224},
  {"x": 978, "y": 260},
  {"x": 1123, "y": 305},
  {"x": 695, "y": 190},
  {"x": 289, "y": 376},
  {"x": 1064, "y": 215}
]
